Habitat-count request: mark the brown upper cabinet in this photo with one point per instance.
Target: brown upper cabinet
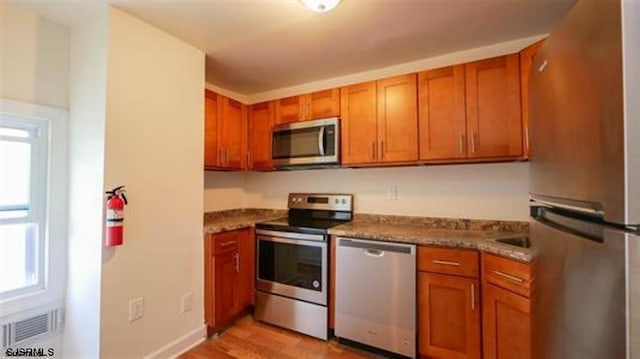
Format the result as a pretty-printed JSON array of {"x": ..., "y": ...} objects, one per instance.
[
  {"x": 225, "y": 132},
  {"x": 471, "y": 111},
  {"x": 379, "y": 121},
  {"x": 526, "y": 61},
  {"x": 442, "y": 114},
  {"x": 310, "y": 106},
  {"x": 261, "y": 120},
  {"x": 494, "y": 116}
]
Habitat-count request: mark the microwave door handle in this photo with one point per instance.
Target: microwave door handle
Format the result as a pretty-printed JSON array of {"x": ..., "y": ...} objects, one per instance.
[{"x": 321, "y": 141}]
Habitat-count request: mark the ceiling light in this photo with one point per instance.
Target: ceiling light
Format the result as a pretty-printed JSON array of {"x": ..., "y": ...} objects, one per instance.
[{"x": 320, "y": 5}]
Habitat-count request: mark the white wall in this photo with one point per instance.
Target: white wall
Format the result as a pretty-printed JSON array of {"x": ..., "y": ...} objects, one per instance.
[
  {"x": 86, "y": 162},
  {"x": 34, "y": 58},
  {"x": 154, "y": 146},
  {"x": 481, "y": 191}
]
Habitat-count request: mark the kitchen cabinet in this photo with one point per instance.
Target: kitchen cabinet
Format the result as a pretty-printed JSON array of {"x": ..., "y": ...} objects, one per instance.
[
  {"x": 448, "y": 303},
  {"x": 261, "y": 119},
  {"x": 319, "y": 104},
  {"x": 442, "y": 114},
  {"x": 225, "y": 132},
  {"x": 494, "y": 117},
  {"x": 526, "y": 61},
  {"x": 379, "y": 122},
  {"x": 506, "y": 308},
  {"x": 229, "y": 272}
]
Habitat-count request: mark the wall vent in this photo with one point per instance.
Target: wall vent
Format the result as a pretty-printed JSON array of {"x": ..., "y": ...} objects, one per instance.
[{"x": 30, "y": 325}]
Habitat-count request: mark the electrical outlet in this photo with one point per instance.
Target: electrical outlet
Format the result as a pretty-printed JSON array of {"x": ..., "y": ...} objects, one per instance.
[
  {"x": 392, "y": 192},
  {"x": 187, "y": 302},
  {"x": 136, "y": 309}
]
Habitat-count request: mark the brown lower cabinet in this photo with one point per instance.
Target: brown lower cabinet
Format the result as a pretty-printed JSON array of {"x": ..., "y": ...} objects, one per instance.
[
  {"x": 448, "y": 303},
  {"x": 507, "y": 318},
  {"x": 229, "y": 277}
]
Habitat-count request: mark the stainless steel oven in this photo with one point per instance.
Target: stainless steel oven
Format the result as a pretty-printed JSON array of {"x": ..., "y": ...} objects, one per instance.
[
  {"x": 292, "y": 264},
  {"x": 306, "y": 144}
]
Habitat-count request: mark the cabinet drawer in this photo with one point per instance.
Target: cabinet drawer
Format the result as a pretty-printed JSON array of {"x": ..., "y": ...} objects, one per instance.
[
  {"x": 462, "y": 262},
  {"x": 508, "y": 274},
  {"x": 225, "y": 242}
]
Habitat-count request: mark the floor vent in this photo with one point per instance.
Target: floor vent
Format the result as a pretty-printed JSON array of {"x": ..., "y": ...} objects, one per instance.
[{"x": 30, "y": 326}]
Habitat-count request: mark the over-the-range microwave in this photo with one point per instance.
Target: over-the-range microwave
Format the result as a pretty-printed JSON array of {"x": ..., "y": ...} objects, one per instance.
[{"x": 306, "y": 144}]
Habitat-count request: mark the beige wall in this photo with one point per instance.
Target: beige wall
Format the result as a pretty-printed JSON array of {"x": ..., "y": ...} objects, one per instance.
[
  {"x": 34, "y": 58},
  {"x": 153, "y": 145},
  {"x": 224, "y": 190}
]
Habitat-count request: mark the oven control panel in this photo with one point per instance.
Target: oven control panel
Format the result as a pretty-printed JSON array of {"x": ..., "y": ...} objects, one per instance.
[{"x": 331, "y": 202}]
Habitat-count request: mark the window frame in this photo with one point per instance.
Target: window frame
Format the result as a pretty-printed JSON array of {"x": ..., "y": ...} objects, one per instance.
[
  {"x": 36, "y": 214},
  {"x": 51, "y": 212}
]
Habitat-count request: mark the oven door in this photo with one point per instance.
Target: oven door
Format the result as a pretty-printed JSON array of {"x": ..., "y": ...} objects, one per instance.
[
  {"x": 293, "y": 265},
  {"x": 306, "y": 143}
]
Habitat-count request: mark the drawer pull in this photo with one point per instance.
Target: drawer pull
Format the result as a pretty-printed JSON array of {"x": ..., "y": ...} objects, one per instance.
[
  {"x": 509, "y": 277},
  {"x": 227, "y": 244},
  {"x": 446, "y": 263}
]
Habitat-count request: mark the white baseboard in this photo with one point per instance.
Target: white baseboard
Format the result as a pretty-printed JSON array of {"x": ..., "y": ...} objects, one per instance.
[{"x": 180, "y": 345}]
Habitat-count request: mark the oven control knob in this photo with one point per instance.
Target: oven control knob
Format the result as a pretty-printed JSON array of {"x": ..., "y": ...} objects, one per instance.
[
  {"x": 316, "y": 284},
  {"x": 337, "y": 201},
  {"x": 344, "y": 201}
]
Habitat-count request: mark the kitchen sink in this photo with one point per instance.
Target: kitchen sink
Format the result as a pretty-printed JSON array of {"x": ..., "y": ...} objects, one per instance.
[{"x": 523, "y": 242}]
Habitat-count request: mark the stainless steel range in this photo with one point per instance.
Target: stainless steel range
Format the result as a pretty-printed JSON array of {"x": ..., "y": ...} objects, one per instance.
[{"x": 292, "y": 276}]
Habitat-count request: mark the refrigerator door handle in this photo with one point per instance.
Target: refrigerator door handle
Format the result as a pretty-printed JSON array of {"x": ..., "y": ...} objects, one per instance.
[{"x": 574, "y": 208}]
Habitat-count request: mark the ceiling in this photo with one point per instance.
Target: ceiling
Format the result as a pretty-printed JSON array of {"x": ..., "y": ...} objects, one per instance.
[{"x": 254, "y": 46}]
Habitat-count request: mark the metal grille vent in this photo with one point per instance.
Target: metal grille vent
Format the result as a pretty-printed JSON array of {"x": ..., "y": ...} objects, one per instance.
[{"x": 33, "y": 326}]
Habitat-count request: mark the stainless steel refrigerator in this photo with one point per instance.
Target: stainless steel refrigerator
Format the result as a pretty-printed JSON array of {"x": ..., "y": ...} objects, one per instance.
[{"x": 585, "y": 183}]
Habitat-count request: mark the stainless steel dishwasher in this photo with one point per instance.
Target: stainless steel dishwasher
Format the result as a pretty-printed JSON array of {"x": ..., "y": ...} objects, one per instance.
[{"x": 376, "y": 294}]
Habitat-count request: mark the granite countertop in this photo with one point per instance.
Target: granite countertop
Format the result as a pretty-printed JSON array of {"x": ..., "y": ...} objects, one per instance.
[
  {"x": 222, "y": 221},
  {"x": 483, "y": 240},
  {"x": 445, "y": 232}
]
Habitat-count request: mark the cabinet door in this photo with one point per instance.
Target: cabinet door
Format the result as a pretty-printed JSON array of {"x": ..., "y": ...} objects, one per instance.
[
  {"x": 233, "y": 134},
  {"x": 442, "y": 114},
  {"x": 246, "y": 269},
  {"x": 448, "y": 316},
  {"x": 526, "y": 61},
  {"x": 211, "y": 115},
  {"x": 506, "y": 322},
  {"x": 224, "y": 284},
  {"x": 359, "y": 124},
  {"x": 397, "y": 119},
  {"x": 261, "y": 119},
  {"x": 323, "y": 104},
  {"x": 289, "y": 109},
  {"x": 494, "y": 117}
]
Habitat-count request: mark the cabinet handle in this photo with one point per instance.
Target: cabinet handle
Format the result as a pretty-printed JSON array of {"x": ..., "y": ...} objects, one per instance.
[
  {"x": 509, "y": 277},
  {"x": 381, "y": 149},
  {"x": 249, "y": 165},
  {"x": 227, "y": 244},
  {"x": 373, "y": 150},
  {"x": 446, "y": 263},
  {"x": 237, "y": 259},
  {"x": 473, "y": 297},
  {"x": 462, "y": 140},
  {"x": 226, "y": 156},
  {"x": 221, "y": 156},
  {"x": 473, "y": 142}
]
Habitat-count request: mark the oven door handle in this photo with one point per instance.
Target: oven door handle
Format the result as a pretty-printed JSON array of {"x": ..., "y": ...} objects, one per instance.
[
  {"x": 291, "y": 235},
  {"x": 292, "y": 241}
]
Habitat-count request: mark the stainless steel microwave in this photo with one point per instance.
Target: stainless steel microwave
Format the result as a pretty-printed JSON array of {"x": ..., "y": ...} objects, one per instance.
[{"x": 306, "y": 144}]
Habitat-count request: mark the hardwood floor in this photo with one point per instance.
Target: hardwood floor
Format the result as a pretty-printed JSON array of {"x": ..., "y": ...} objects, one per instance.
[{"x": 253, "y": 340}]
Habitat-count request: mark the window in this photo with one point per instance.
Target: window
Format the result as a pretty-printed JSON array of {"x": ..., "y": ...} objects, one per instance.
[{"x": 23, "y": 193}]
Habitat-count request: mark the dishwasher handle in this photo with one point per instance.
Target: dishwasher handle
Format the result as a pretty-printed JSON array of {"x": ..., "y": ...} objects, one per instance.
[{"x": 377, "y": 249}]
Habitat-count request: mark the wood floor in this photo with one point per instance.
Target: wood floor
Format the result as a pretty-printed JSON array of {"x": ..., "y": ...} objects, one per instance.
[{"x": 250, "y": 339}]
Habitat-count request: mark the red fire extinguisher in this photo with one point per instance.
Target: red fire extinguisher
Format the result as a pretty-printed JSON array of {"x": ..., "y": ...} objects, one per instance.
[{"x": 116, "y": 201}]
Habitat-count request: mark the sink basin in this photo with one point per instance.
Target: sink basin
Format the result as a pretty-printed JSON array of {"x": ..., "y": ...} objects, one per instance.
[{"x": 516, "y": 241}]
